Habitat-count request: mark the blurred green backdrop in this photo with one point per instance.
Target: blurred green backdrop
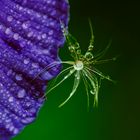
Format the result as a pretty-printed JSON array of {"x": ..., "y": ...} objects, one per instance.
[{"x": 118, "y": 113}]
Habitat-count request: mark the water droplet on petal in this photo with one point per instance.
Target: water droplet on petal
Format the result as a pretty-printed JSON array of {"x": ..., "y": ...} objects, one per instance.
[
  {"x": 44, "y": 36},
  {"x": 11, "y": 99},
  {"x": 26, "y": 61},
  {"x": 25, "y": 25},
  {"x": 8, "y": 31},
  {"x": 11, "y": 128},
  {"x": 18, "y": 77},
  {"x": 15, "y": 131},
  {"x": 9, "y": 18},
  {"x": 27, "y": 120},
  {"x": 35, "y": 65},
  {"x": 21, "y": 93},
  {"x": 50, "y": 32},
  {"x": 16, "y": 36},
  {"x": 89, "y": 55},
  {"x": 30, "y": 34}
]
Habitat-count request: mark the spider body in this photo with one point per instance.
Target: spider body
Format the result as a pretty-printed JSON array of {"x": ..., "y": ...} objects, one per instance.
[
  {"x": 78, "y": 65},
  {"x": 83, "y": 68}
]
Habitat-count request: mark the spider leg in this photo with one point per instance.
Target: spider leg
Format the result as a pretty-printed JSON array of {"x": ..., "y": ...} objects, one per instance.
[
  {"x": 88, "y": 54},
  {"x": 59, "y": 75},
  {"x": 100, "y": 74},
  {"x": 75, "y": 86},
  {"x": 66, "y": 77},
  {"x": 86, "y": 86},
  {"x": 104, "y": 61},
  {"x": 48, "y": 67},
  {"x": 72, "y": 43},
  {"x": 91, "y": 45},
  {"x": 102, "y": 53},
  {"x": 94, "y": 84}
]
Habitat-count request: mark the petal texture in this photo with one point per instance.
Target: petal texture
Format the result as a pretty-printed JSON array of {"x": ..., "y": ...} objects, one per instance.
[{"x": 30, "y": 36}]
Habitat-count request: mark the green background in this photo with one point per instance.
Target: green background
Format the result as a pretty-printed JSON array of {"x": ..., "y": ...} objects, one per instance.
[{"x": 118, "y": 113}]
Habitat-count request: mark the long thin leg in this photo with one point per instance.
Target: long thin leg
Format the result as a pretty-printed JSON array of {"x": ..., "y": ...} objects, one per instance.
[
  {"x": 95, "y": 86},
  {"x": 75, "y": 86},
  {"x": 72, "y": 43},
  {"x": 91, "y": 45},
  {"x": 59, "y": 75},
  {"x": 100, "y": 74},
  {"x": 88, "y": 54},
  {"x": 87, "y": 88},
  {"x": 48, "y": 67},
  {"x": 66, "y": 77},
  {"x": 104, "y": 61},
  {"x": 102, "y": 53}
]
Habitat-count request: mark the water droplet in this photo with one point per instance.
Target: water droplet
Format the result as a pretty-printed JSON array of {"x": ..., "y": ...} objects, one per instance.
[
  {"x": 8, "y": 31},
  {"x": 1, "y": 26},
  {"x": 45, "y": 51},
  {"x": 15, "y": 131},
  {"x": 11, "y": 99},
  {"x": 1, "y": 85},
  {"x": 50, "y": 32},
  {"x": 89, "y": 55},
  {"x": 26, "y": 61},
  {"x": 32, "y": 110},
  {"x": 39, "y": 37},
  {"x": 8, "y": 120},
  {"x": 21, "y": 93},
  {"x": 7, "y": 126},
  {"x": 44, "y": 36},
  {"x": 90, "y": 48},
  {"x": 92, "y": 92},
  {"x": 27, "y": 120},
  {"x": 25, "y": 25},
  {"x": 78, "y": 65},
  {"x": 49, "y": 1},
  {"x": 11, "y": 128},
  {"x": 46, "y": 76},
  {"x": 30, "y": 34},
  {"x": 28, "y": 104},
  {"x": 16, "y": 36},
  {"x": 18, "y": 77},
  {"x": 9, "y": 18},
  {"x": 35, "y": 65},
  {"x": 9, "y": 72}
]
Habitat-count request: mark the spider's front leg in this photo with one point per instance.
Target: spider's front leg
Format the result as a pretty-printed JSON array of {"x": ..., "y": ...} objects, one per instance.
[
  {"x": 88, "y": 55},
  {"x": 73, "y": 45}
]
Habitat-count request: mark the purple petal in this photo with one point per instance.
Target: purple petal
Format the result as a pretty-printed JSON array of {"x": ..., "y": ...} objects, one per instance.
[{"x": 30, "y": 36}]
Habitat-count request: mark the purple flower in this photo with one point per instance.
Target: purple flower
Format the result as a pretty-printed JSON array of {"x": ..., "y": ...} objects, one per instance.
[{"x": 30, "y": 36}]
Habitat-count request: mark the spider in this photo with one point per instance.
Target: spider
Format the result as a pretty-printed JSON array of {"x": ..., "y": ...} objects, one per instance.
[{"x": 82, "y": 67}]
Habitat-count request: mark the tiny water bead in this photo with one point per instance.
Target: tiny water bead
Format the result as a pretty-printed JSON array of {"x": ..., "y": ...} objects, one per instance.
[
  {"x": 16, "y": 36},
  {"x": 25, "y": 25},
  {"x": 26, "y": 61},
  {"x": 78, "y": 65},
  {"x": 18, "y": 77},
  {"x": 8, "y": 31},
  {"x": 44, "y": 36},
  {"x": 9, "y": 18},
  {"x": 11, "y": 99},
  {"x": 89, "y": 55}
]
